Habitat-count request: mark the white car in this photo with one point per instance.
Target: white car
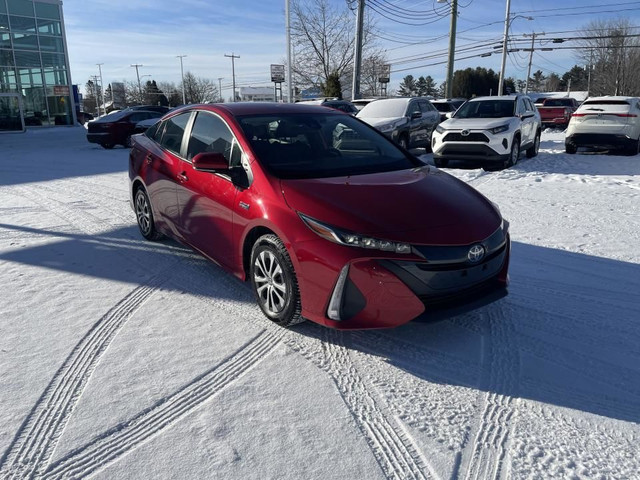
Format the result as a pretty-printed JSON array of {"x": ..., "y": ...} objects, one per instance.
[
  {"x": 490, "y": 132},
  {"x": 605, "y": 122}
]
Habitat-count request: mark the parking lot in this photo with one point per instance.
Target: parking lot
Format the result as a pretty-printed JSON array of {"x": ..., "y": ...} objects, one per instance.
[{"x": 127, "y": 359}]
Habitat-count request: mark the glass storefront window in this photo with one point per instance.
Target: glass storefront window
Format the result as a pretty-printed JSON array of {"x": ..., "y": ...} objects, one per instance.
[
  {"x": 51, "y": 44},
  {"x": 4, "y": 22},
  {"x": 53, "y": 60},
  {"x": 30, "y": 77},
  {"x": 22, "y": 24},
  {"x": 47, "y": 10},
  {"x": 27, "y": 59},
  {"x": 8, "y": 81},
  {"x": 35, "y": 106},
  {"x": 25, "y": 41},
  {"x": 60, "y": 110},
  {"x": 49, "y": 27},
  {"x": 3, "y": 8},
  {"x": 6, "y": 58},
  {"x": 5, "y": 41},
  {"x": 55, "y": 77},
  {"x": 10, "y": 114},
  {"x": 21, "y": 7}
]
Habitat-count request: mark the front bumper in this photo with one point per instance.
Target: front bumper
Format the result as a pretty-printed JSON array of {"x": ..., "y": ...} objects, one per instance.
[
  {"x": 388, "y": 292},
  {"x": 479, "y": 146},
  {"x": 600, "y": 140}
]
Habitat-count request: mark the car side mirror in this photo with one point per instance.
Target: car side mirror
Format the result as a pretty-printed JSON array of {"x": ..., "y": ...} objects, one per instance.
[
  {"x": 210, "y": 162},
  {"x": 449, "y": 114},
  {"x": 415, "y": 115}
]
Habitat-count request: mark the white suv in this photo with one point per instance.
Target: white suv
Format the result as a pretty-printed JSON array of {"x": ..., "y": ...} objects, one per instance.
[
  {"x": 605, "y": 122},
  {"x": 489, "y": 131}
]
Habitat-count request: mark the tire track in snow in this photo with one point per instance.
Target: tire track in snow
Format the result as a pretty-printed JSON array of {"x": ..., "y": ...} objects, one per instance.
[
  {"x": 129, "y": 435},
  {"x": 38, "y": 436},
  {"x": 502, "y": 363},
  {"x": 392, "y": 447}
]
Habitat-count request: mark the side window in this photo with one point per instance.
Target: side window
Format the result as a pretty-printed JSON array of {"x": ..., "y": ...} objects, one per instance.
[
  {"x": 174, "y": 131},
  {"x": 424, "y": 106},
  {"x": 154, "y": 132},
  {"x": 520, "y": 108},
  {"x": 527, "y": 105},
  {"x": 414, "y": 107},
  {"x": 211, "y": 134}
]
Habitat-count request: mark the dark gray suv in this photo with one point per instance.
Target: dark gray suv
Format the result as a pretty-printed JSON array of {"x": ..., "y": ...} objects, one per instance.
[{"x": 407, "y": 121}]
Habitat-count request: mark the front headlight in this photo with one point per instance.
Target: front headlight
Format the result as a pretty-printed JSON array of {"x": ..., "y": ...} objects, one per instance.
[
  {"x": 387, "y": 127},
  {"x": 440, "y": 129},
  {"x": 500, "y": 129},
  {"x": 343, "y": 237}
]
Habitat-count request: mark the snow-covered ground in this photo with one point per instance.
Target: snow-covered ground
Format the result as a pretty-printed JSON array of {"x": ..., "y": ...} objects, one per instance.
[{"x": 124, "y": 359}]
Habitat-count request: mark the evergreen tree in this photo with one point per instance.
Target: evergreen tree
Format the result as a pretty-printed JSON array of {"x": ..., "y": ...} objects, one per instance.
[
  {"x": 408, "y": 87},
  {"x": 333, "y": 87}
]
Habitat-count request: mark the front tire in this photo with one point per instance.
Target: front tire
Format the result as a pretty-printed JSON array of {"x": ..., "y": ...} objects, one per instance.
[
  {"x": 274, "y": 281},
  {"x": 570, "y": 149},
  {"x": 144, "y": 215},
  {"x": 533, "y": 150},
  {"x": 514, "y": 156},
  {"x": 403, "y": 141}
]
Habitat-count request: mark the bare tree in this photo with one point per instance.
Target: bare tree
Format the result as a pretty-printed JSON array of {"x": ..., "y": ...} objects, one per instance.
[
  {"x": 613, "y": 55},
  {"x": 171, "y": 91},
  {"x": 199, "y": 90},
  {"x": 323, "y": 38}
]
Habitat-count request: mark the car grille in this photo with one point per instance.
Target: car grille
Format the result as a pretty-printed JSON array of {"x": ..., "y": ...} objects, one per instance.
[{"x": 472, "y": 137}]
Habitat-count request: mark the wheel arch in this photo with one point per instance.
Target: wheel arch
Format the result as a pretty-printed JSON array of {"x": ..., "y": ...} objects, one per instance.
[{"x": 249, "y": 240}]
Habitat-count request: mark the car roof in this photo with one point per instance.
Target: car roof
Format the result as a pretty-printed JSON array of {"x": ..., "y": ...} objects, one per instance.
[
  {"x": 262, "y": 108},
  {"x": 610, "y": 97},
  {"x": 496, "y": 97}
]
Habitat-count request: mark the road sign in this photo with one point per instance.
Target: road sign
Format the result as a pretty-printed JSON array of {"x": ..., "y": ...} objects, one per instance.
[
  {"x": 385, "y": 75},
  {"x": 277, "y": 73}
]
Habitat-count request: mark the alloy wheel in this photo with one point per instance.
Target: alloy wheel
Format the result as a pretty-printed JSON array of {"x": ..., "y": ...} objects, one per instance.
[
  {"x": 143, "y": 212},
  {"x": 270, "y": 283}
]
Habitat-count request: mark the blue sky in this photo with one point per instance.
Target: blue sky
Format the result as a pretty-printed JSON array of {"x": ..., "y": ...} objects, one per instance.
[{"x": 119, "y": 33}]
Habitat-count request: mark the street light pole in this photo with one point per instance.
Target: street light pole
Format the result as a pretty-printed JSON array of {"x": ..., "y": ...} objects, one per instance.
[
  {"x": 220, "y": 89},
  {"x": 233, "y": 71},
  {"x": 101, "y": 85},
  {"x": 184, "y": 97},
  {"x": 526, "y": 85},
  {"x": 287, "y": 8},
  {"x": 503, "y": 63},
  {"x": 357, "y": 58}
]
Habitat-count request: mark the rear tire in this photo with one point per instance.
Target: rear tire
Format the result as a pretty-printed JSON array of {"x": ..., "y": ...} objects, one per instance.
[
  {"x": 570, "y": 149},
  {"x": 634, "y": 149},
  {"x": 274, "y": 281}
]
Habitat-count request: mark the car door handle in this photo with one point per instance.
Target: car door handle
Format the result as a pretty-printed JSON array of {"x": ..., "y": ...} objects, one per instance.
[
  {"x": 149, "y": 159},
  {"x": 182, "y": 177}
]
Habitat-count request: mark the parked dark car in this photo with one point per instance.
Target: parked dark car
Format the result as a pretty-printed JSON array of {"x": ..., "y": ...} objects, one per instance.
[
  {"x": 447, "y": 106},
  {"x": 150, "y": 108},
  {"x": 117, "y": 128},
  {"x": 323, "y": 215},
  {"x": 342, "y": 105},
  {"x": 410, "y": 122}
]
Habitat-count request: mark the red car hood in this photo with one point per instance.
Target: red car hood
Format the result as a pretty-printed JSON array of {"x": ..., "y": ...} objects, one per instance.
[{"x": 420, "y": 206}]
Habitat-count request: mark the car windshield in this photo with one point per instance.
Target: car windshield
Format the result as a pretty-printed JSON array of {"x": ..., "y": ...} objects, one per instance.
[
  {"x": 487, "y": 109},
  {"x": 389, "y": 108},
  {"x": 321, "y": 145},
  {"x": 557, "y": 103},
  {"x": 442, "y": 107}
]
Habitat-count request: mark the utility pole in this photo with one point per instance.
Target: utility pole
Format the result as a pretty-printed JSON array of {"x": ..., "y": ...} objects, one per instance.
[
  {"x": 102, "y": 92},
  {"x": 233, "y": 71},
  {"x": 357, "y": 58},
  {"x": 184, "y": 96},
  {"x": 589, "y": 74},
  {"x": 503, "y": 63},
  {"x": 287, "y": 14},
  {"x": 526, "y": 85},
  {"x": 138, "y": 75},
  {"x": 452, "y": 46},
  {"x": 220, "y": 88}
]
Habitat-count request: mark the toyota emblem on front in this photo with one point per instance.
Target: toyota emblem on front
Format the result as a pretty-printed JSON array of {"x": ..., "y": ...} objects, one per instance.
[
  {"x": 465, "y": 133},
  {"x": 476, "y": 253}
]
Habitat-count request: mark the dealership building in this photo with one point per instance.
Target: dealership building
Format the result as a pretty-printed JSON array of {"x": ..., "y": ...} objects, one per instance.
[{"x": 35, "y": 83}]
